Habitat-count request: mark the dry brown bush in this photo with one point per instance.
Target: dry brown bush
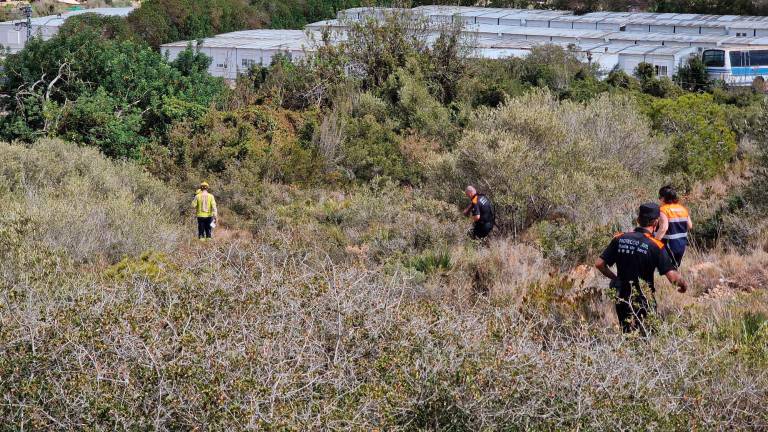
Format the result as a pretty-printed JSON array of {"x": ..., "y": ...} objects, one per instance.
[{"x": 247, "y": 336}]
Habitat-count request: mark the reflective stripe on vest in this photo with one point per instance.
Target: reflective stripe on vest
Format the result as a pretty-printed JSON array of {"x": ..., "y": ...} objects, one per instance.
[
  {"x": 205, "y": 203},
  {"x": 676, "y": 236}
]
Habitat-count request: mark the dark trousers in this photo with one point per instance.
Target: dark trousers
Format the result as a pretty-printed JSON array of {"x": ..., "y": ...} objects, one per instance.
[
  {"x": 677, "y": 257},
  {"x": 204, "y": 227},
  {"x": 631, "y": 308},
  {"x": 676, "y": 251},
  {"x": 481, "y": 229}
]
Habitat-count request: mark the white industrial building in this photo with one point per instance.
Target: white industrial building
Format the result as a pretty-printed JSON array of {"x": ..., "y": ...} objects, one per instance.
[
  {"x": 608, "y": 39},
  {"x": 236, "y": 53},
  {"x": 13, "y": 34},
  {"x": 666, "y": 23}
]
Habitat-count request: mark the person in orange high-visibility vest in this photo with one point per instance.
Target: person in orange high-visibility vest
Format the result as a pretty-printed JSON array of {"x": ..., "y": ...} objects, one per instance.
[
  {"x": 674, "y": 225},
  {"x": 205, "y": 210}
]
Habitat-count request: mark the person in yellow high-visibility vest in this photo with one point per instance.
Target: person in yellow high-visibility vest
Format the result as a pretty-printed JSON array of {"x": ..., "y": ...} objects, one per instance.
[{"x": 206, "y": 211}]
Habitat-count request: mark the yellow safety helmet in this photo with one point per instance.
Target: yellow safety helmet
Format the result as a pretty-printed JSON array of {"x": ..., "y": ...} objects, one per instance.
[{"x": 204, "y": 184}]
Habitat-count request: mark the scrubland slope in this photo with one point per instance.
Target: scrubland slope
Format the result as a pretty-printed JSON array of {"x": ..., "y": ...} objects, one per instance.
[{"x": 347, "y": 320}]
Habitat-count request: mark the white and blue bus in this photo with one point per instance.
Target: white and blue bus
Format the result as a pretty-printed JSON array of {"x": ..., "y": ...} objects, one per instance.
[{"x": 736, "y": 66}]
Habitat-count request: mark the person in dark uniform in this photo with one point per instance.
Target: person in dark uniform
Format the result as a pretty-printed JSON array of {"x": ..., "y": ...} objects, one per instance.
[
  {"x": 637, "y": 255},
  {"x": 481, "y": 211}
]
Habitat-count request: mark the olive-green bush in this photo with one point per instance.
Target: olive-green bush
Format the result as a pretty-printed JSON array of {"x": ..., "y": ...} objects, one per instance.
[
  {"x": 75, "y": 201},
  {"x": 540, "y": 159},
  {"x": 702, "y": 141}
]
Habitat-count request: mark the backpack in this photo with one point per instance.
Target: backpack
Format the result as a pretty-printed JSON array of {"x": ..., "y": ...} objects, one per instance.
[{"x": 487, "y": 212}]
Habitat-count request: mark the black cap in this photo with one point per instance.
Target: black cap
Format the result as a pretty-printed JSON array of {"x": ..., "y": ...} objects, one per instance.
[{"x": 649, "y": 211}]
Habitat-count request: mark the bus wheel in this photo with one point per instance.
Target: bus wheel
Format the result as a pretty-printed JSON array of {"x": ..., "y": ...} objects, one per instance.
[{"x": 758, "y": 84}]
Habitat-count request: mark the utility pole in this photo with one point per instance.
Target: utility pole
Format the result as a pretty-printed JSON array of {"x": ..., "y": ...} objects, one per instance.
[{"x": 26, "y": 10}]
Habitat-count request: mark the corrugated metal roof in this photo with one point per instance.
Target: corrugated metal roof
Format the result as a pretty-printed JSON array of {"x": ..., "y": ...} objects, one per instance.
[
  {"x": 372, "y": 10},
  {"x": 661, "y": 37},
  {"x": 290, "y": 45},
  {"x": 440, "y": 10},
  {"x": 596, "y": 48},
  {"x": 582, "y": 19},
  {"x": 654, "y": 49},
  {"x": 501, "y": 13},
  {"x": 256, "y": 39},
  {"x": 609, "y": 18},
  {"x": 264, "y": 34},
  {"x": 535, "y": 31}
]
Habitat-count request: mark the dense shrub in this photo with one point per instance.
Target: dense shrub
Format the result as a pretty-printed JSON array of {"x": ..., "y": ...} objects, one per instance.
[
  {"x": 570, "y": 163},
  {"x": 302, "y": 83},
  {"x": 298, "y": 13},
  {"x": 702, "y": 141},
  {"x": 109, "y": 27},
  {"x": 111, "y": 94},
  {"x": 553, "y": 67},
  {"x": 543, "y": 159},
  {"x": 618, "y": 78},
  {"x": 692, "y": 76},
  {"x": 415, "y": 108},
  {"x": 661, "y": 87},
  {"x": 74, "y": 201},
  {"x": 160, "y": 21},
  {"x": 378, "y": 48},
  {"x": 489, "y": 82},
  {"x": 372, "y": 149},
  {"x": 265, "y": 142}
]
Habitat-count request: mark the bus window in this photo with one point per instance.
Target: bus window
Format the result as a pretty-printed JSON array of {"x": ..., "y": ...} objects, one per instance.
[
  {"x": 758, "y": 58},
  {"x": 738, "y": 59},
  {"x": 713, "y": 58}
]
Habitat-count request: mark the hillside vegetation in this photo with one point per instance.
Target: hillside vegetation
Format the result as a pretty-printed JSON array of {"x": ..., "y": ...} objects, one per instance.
[
  {"x": 338, "y": 321},
  {"x": 341, "y": 290}
]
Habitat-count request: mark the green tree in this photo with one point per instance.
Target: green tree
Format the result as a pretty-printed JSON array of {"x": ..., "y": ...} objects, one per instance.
[
  {"x": 650, "y": 84},
  {"x": 378, "y": 48},
  {"x": 107, "y": 93},
  {"x": 109, "y": 27},
  {"x": 645, "y": 72},
  {"x": 298, "y": 13},
  {"x": 162, "y": 21},
  {"x": 618, "y": 78},
  {"x": 372, "y": 147},
  {"x": 692, "y": 76},
  {"x": 553, "y": 67}
]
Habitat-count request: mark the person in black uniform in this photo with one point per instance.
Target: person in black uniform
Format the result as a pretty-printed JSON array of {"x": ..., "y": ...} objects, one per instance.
[
  {"x": 637, "y": 255},
  {"x": 481, "y": 211}
]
